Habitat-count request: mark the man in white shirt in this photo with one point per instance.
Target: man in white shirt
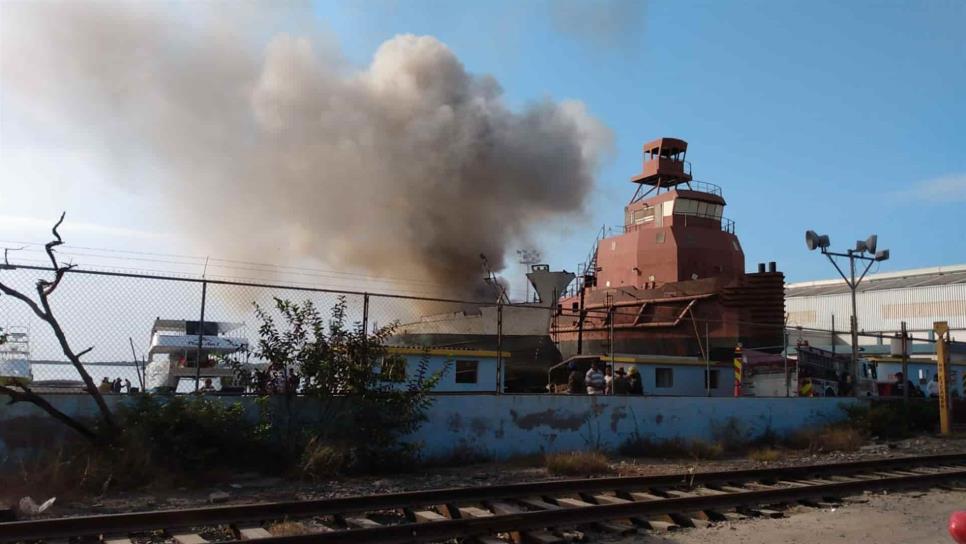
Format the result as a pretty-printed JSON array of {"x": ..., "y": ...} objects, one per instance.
[
  {"x": 594, "y": 380},
  {"x": 932, "y": 390}
]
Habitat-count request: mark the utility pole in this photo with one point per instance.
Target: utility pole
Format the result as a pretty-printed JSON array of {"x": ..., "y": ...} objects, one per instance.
[
  {"x": 905, "y": 366},
  {"x": 865, "y": 250}
]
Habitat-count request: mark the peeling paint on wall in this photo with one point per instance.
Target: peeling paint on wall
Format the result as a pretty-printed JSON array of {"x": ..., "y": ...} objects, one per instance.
[
  {"x": 616, "y": 416},
  {"x": 550, "y": 418}
]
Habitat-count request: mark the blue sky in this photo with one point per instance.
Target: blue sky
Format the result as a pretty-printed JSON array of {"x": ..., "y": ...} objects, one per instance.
[{"x": 845, "y": 117}]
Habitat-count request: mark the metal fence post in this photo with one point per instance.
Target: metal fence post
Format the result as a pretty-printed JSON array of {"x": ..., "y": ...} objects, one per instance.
[
  {"x": 201, "y": 335},
  {"x": 499, "y": 347},
  {"x": 904, "y": 343},
  {"x": 365, "y": 327}
]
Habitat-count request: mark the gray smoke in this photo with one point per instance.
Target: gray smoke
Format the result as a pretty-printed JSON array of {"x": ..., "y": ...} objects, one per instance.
[{"x": 270, "y": 146}]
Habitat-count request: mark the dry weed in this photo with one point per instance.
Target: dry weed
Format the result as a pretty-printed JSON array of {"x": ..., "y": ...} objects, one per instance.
[
  {"x": 765, "y": 455},
  {"x": 288, "y": 528},
  {"x": 577, "y": 463}
]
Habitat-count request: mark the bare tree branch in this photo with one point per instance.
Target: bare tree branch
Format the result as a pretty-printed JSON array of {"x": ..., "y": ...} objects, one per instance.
[
  {"x": 23, "y": 298},
  {"x": 27, "y": 395},
  {"x": 75, "y": 359},
  {"x": 49, "y": 246},
  {"x": 44, "y": 290}
]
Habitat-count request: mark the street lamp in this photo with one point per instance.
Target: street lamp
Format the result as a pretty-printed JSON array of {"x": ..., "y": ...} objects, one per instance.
[
  {"x": 865, "y": 250},
  {"x": 528, "y": 258}
]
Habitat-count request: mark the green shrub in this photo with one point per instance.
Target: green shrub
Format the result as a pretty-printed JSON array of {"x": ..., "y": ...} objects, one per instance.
[
  {"x": 339, "y": 365},
  {"x": 193, "y": 434},
  {"x": 892, "y": 420},
  {"x": 321, "y": 460}
]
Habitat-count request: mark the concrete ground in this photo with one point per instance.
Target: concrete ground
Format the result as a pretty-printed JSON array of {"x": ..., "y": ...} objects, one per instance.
[{"x": 894, "y": 518}]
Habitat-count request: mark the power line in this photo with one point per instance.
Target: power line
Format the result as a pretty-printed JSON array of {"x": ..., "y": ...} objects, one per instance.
[{"x": 252, "y": 266}]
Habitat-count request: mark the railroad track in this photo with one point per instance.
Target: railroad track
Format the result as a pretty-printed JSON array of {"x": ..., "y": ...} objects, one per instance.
[{"x": 538, "y": 512}]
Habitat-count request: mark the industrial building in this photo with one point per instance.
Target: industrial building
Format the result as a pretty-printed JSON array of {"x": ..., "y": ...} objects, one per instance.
[{"x": 919, "y": 297}]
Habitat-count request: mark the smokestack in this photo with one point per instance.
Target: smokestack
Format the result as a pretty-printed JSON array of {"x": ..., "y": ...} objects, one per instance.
[{"x": 409, "y": 167}]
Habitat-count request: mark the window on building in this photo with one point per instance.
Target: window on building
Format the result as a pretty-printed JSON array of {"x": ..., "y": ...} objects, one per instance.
[
  {"x": 711, "y": 379},
  {"x": 393, "y": 369},
  {"x": 644, "y": 215},
  {"x": 663, "y": 377},
  {"x": 466, "y": 371}
]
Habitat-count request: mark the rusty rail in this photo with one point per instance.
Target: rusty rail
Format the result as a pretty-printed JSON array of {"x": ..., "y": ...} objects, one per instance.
[{"x": 127, "y": 523}]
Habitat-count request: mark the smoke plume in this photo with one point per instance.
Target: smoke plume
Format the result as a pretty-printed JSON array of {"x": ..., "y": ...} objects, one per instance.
[{"x": 270, "y": 146}]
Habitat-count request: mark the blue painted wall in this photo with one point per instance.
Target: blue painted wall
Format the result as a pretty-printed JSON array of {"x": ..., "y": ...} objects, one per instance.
[{"x": 506, "y": 425}]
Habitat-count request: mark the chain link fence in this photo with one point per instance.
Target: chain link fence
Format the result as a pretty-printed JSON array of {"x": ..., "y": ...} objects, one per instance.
[{"x": 186, "y": 334}]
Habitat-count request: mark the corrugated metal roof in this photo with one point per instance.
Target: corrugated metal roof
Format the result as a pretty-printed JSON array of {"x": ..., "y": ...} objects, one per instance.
[{"x": 903, "y": 279}]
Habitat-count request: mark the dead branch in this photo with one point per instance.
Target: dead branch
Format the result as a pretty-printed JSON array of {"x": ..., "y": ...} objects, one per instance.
[
  {"x": 27, "y": 395},
  {"x": 43, "y": 311}
]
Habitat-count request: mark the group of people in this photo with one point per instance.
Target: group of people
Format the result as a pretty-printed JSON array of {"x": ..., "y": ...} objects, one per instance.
[
  {"x": 604, "y": 381},
  {"x": 116, "y": 386},
  {"x": 927, "y": 390}
]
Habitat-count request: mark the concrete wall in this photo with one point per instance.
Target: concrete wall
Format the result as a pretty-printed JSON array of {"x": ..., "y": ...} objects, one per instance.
[{"x": 505, "y": 425}]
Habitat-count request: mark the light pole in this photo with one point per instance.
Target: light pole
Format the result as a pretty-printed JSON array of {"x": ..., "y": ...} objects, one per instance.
[
  {"x": 528, "y": 258},
  {"x": 865, "y": 250}
]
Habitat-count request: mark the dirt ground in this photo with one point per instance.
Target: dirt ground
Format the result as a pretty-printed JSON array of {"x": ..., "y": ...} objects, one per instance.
[
  {"x": 247, "y": 488},
  {"x": 894, "y": 518}
]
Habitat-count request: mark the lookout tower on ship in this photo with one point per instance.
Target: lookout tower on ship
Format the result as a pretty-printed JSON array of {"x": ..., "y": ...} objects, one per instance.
[{"x": 671, "y": 280}]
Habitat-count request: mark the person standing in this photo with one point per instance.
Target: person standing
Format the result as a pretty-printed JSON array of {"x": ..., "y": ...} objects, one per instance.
[
  {"x": 594, "y": 379},
  {"x": 575, "y": 382},
  {"x": 608, "y": 380},
  {"x": 622, "y": 385},
  {"x": 932, "y": 388},
  {"x": 634, "y": 383}
]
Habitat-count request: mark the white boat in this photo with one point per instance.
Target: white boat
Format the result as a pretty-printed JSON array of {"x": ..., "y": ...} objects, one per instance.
[
  {"x": 15, "y": 356},
  {"x": 177, "y": 346}
]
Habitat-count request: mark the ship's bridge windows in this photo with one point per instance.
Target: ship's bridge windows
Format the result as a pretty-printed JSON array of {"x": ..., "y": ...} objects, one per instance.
[
  {"x": 643, "y": 215},
  {"x": 687, "y": 206},
  {"x": 671, "y": 153}
]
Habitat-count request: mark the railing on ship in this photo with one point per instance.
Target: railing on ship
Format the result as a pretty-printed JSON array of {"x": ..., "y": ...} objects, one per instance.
[
  {"x": 727, "y": 225},
  {"x": 701, "y": 187}
]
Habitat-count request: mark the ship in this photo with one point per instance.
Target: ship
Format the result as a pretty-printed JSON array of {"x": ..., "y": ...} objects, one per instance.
[{"x": 671, "y": 280}]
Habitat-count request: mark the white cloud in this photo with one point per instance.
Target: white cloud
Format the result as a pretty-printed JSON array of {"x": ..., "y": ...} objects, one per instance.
[{"x": 942, "y": 190}]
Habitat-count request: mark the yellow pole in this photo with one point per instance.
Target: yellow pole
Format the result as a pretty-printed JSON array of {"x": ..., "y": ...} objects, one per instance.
[{"x": 942, "y": 337}]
